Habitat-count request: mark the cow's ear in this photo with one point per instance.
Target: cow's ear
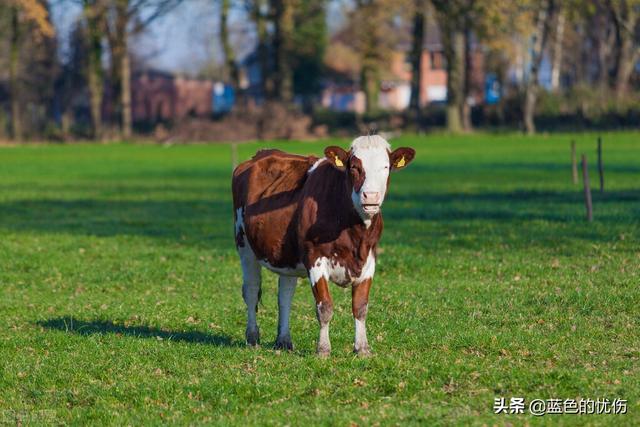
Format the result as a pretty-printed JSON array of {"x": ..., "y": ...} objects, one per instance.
[
  {"x": 337, "y": 157},
  {"x": 401, "y": 157}
]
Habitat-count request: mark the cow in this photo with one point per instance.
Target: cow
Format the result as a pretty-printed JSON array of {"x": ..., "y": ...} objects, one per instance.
[{"x": 320, "y": 218}]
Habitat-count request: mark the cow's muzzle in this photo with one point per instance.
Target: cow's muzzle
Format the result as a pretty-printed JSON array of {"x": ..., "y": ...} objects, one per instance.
[{"x": 371, "y": 202}]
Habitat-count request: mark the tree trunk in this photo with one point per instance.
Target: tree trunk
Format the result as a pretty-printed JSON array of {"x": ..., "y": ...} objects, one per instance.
[
  {"x": 122, "y": 37},
  {"x": 283, "y": 27},
  {"x": 370, "y": 86},
  {"x": 625, "y": 19},
  {"x": 604, "y": 41},
  {"x": 125, "y": 87},
  {"x": 532, "y": 87},
  {"x": 628, "y": 57},
  {"x": 229, "y": 55},
  {"x": 94, "y": 67},
  {"x": 467, "y": 74},
  {"x": 416, "y": 57},
  {"x": 453, "y": 40},
  {"x": 14, "y": 84},
  {"x": 266, "y": 81},
  {"x": 557, "y": 52},
  {"x": 625, "y": 69}
]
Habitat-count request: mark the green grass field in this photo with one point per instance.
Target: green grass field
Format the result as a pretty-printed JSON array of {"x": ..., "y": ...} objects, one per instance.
[{"x": 120, "y": 290}]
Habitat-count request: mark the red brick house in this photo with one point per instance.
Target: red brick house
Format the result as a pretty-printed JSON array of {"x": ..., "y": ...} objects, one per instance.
[
  {"x": 395, "y": 88},
  {"x": 160, "y": 96}
]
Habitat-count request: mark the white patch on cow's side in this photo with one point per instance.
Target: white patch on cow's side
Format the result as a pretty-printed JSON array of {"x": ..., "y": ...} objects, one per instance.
[
  {"x": 316, "y": 164},
  {"x": 332, "y": 269},
  {"x": 373, "y": 152},
  {"x": 338, "y": 273},
  {"x": 369, "y": 268},
  {"x": 298, "y": 271},
  {"x": 360, "y": 341},
  {"x": 318, "y": 270}
]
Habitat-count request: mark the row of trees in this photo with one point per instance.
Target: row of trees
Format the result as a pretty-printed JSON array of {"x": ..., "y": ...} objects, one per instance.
[
  {"x": 40, "y": 80},
  {"x": 588, "y": 42},
  {"x": 608, "y": 28},
  {"x": 601, "y": 39}
]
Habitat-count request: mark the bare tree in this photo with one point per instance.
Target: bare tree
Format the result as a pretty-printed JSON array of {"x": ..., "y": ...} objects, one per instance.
[
  {"x": 229, "y": 54},
  {"x": 94, "y": 18},
  {"x": 626, "y": 19},
  {"x": 282, "y": 11},
  {"x": 539, "y": 40},
  {"x": 558, "y": 40},
  {"x": 452, "y": 14},
  {"x": 126, "y": 18}
]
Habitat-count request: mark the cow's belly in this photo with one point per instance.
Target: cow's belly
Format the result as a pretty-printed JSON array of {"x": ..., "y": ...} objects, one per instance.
[{"x": 298, "y": 271}]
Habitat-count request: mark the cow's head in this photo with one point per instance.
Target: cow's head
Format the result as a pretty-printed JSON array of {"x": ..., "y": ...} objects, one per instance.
[{"x": 367, "y": 165}]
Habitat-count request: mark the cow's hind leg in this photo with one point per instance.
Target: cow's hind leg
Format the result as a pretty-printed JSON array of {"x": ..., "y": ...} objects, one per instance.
[
  {"x": 251, "y": 290},
  {"x": 286, "y": 289}
]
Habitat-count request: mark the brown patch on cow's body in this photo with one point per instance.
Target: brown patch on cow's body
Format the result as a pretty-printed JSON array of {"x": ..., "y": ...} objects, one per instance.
[
  {"x": 268, "y": 189},
  {"x": 292, "y": 217},
  {"x": 360, "y": 299}
]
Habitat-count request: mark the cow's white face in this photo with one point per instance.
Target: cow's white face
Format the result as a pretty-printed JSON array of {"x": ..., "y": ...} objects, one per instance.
[
  {"x": 367, "y": 165},
  {"x": 369, "y": 172}
]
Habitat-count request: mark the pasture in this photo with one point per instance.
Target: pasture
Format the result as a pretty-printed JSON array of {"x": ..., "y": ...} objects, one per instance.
[{"x": 120, "y": 296}]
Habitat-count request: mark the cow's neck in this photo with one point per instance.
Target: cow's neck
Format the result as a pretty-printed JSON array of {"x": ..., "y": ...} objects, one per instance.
[{"x": 364, "y": 233}]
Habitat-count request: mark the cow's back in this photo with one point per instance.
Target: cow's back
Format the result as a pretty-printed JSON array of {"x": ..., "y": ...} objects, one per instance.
[{"x": 266, "y": 191}]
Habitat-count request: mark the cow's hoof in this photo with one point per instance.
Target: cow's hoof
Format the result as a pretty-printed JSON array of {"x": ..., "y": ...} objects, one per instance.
[
  {"x": 253, "y": 337},
  {"x": 323, "y": 352},
  {"x": 363, "y": 352},
  {"x": 284, "y": 344}
]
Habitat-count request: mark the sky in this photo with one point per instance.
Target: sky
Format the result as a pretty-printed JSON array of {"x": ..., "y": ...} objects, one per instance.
[{"x": 184, "y": 40}]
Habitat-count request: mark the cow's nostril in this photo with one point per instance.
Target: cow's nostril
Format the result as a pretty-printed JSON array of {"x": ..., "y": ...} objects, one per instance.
[{"x": 371, "y": 197}]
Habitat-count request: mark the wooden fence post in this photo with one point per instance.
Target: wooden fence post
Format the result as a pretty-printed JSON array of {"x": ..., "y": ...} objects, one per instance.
[
  {"x": 587, "y": 189},
  {"x": 574, "y": 162},
  {"x": 234, "y": 155},
  {"x": 600, "y": 165}
]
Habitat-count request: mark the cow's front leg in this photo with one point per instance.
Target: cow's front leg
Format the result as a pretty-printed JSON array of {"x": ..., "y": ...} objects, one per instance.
[
  {"x": 324, "y": 311},
  {"x": 359, "y": 305}
]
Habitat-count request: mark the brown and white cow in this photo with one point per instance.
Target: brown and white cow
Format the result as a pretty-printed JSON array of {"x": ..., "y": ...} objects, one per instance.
[{"x": 302, "y": 216}]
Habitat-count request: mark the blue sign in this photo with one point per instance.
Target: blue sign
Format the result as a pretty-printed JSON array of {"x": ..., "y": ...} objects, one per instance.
[
  {"x": 492, "y": 89},
  {"x": 224, "y": 96}
]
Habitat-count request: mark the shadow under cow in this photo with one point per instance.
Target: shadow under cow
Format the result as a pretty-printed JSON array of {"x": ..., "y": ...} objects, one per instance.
[{"x": 105, "y": 327}]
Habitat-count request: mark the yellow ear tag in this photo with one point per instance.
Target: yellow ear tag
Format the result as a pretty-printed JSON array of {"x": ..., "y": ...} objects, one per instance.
[
  {"x": 338, "y": 162},
  {"x": 401, "y": 162}
]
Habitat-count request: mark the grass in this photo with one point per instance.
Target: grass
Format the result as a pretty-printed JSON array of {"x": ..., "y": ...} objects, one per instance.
[{"x": 120, "y": 293}]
